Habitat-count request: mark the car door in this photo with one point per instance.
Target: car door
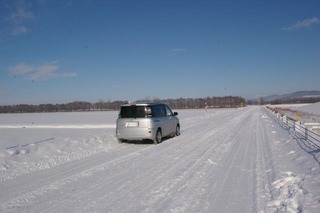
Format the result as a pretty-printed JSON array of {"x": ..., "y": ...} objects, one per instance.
[
  {"x": 159, "y": 117},
  {"x": 170, "y": 120}
]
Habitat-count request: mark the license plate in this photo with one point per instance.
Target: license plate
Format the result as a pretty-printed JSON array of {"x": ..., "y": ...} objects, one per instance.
[{"x": 132, "y": 124}]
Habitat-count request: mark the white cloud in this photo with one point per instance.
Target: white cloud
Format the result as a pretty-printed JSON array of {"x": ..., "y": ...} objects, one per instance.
[
  {"x": 179, "y": 50},
  {"x": 20, "y": 20},
  {"x": 176, "y": 51},
  {"x": 19, "y": 30},
  {"x": 39, "y": 72},
  {"x": 302, "y": 24},
  {"x": 21, "y": 15},
  {"x": 67, "y": 75},
  {"x": 21, "y": 69},
  {"x": 116, "y": 86}
]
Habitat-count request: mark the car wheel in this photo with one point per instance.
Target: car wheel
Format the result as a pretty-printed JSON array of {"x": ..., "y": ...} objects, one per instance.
[
  {"x": 178, "y": 130},
  {"x": 158, "y": 137}
]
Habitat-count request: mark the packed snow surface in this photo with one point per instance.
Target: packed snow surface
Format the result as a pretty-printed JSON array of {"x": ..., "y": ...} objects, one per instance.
[{"x": 227, "y": 160}]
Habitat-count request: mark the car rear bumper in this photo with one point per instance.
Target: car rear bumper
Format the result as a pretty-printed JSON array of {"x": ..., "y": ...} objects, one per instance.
[{"x": 135, "y": 133}]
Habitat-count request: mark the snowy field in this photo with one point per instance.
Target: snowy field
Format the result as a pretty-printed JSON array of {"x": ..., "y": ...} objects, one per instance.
[
  {"x": 307, "y": 108},
  {"x": 227, "y": 160},
  {"x": 307, "y": 112}
]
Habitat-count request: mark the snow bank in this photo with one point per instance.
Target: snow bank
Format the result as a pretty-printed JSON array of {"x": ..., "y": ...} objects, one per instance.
[
  {"x": 289, "y": 193},
  {"x": 37, "y": 141},
  {"x": 25, "y": 158},
  {"x": 82, "y": 126}
]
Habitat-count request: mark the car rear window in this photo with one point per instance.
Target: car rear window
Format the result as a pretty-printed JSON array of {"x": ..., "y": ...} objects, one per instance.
[{"x": 134, "y": 112}]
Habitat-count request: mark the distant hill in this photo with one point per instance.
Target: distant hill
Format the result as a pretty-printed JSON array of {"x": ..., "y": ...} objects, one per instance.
[{"x": 296, "y": 97}]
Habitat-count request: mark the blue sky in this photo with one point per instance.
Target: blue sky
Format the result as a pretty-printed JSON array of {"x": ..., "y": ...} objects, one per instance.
[{"x": 67, "y": 50}]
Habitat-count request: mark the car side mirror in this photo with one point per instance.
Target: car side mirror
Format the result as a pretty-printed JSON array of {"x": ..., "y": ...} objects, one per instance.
[{"x": 175, "y": 113}]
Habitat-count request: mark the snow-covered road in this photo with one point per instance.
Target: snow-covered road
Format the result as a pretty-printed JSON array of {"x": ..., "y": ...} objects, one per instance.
[{"x": 231, "y": 160}]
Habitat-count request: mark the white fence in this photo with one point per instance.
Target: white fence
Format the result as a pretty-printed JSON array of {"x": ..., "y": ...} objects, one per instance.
[{"x": 304, "y": 131}]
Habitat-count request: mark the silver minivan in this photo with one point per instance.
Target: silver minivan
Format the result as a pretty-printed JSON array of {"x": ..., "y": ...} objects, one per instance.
[{"x": 146, "y": 121}]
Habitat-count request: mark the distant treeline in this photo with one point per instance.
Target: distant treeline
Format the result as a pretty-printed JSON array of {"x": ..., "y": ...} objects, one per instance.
[
  {"x": 209, "y": 102},
  {"x": 180, "y": 103}
]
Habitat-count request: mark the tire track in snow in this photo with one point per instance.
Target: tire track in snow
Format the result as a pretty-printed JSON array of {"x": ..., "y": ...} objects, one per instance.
[
  {"x": 264, "y": 165},
  {"x": 236, "y": 174}
]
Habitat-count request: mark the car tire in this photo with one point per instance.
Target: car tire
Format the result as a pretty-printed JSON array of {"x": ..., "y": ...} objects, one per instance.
[
  {"x": 177, "y": 133},
  {"x": 158, "y": 137}
]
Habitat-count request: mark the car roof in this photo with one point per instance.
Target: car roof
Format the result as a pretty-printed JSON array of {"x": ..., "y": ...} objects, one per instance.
[{"x": 142, "y": 103}]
